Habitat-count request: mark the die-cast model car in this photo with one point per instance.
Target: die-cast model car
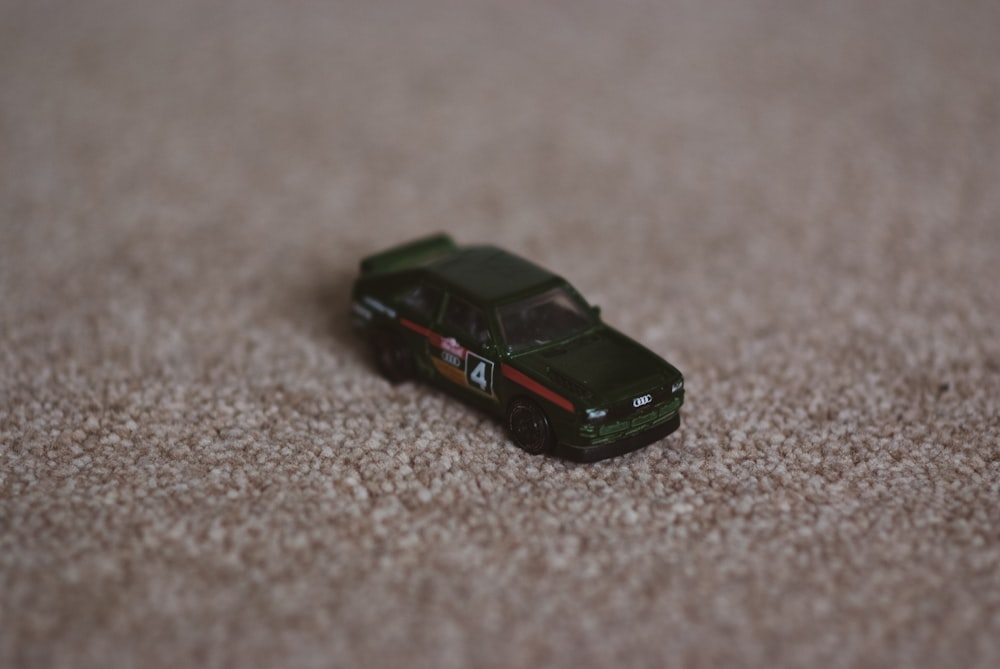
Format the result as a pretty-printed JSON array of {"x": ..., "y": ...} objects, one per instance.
[{"x": 517, "y": 341}]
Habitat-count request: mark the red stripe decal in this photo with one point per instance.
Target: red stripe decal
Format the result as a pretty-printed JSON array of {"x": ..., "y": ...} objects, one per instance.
[
  {"x": 436, "y": 340},
  {"x": 535, "y": 387},
  {"x": 413, "y": 326}
]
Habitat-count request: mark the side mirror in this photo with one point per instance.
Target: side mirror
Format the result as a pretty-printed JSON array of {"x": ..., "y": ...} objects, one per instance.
[{"x": 596, "y": 310}]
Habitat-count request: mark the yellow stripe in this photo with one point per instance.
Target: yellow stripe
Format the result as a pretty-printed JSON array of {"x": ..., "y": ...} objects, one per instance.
[{"x": 452, "y": 373}]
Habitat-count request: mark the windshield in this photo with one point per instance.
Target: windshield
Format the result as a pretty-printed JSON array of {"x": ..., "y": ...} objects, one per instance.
[{"x": 543, "y": 318}]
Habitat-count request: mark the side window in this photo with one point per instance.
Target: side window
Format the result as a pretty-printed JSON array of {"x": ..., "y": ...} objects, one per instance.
[
  {"x": 423, "y": 299},
  {"x": 466, "y": 319}
]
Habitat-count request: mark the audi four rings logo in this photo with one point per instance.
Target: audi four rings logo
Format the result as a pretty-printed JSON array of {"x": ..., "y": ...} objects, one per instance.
[{"x": 642, "y": 401}]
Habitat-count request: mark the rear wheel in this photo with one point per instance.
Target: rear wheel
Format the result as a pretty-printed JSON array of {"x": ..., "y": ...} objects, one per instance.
[
  {"x": 529, "y": 427},
  {"x": 392, "y": 357}
]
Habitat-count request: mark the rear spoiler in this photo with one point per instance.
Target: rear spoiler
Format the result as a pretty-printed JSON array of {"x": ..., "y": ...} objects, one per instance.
[{"x": 412, "y": 254}]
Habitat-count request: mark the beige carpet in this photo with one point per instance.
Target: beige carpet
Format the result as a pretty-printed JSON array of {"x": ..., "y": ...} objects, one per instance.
[{"x": 796, "y": 203}]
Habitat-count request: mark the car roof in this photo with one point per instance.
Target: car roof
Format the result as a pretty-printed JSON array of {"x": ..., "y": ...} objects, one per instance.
[{"x": 490, "y": 274}]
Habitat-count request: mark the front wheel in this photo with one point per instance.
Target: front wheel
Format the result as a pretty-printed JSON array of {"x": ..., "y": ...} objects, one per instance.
[{"x": 529, "y": 427}]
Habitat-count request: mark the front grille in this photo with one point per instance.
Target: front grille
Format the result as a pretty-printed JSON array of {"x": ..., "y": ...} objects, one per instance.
[
  {"x": 625, "y": 411},
  {"x": 641, "y": 419}
]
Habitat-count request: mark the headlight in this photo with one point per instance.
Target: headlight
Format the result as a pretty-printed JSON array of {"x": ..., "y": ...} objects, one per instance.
[
  {"x": 677, "y": 386},
  {"x": 596, "y": 414}
]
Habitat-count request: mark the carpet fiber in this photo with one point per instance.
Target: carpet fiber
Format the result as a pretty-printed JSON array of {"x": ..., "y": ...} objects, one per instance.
[{"x": 795, "y": 203}]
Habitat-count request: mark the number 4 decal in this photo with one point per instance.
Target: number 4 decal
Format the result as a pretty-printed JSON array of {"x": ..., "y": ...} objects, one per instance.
[{"x": 479, "y": 373}]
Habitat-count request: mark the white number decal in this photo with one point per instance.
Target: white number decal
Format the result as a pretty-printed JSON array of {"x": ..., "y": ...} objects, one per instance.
[{"x": 479, "y": 373}]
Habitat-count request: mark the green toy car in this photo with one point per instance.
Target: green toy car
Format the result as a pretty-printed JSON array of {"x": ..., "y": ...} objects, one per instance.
[{"x": 517, "y": 341}]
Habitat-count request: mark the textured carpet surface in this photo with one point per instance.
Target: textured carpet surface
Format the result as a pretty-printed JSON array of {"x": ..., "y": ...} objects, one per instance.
[{"x": 795, "y": 203}]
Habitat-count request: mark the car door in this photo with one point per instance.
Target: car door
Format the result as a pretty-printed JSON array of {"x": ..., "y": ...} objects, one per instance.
[{"x": 464, "y": 352}]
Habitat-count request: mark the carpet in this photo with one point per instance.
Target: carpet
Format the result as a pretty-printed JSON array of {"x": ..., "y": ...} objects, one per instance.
[{"x": 794, "y": 203}]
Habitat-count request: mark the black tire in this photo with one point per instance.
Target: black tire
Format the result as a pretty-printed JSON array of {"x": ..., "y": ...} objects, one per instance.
[
  {"x": 528, "y": 426},
  {"x": 392, "y": 357}
]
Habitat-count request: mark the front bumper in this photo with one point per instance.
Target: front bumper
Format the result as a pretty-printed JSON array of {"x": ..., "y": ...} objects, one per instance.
[{"x": 590, "y": 453}]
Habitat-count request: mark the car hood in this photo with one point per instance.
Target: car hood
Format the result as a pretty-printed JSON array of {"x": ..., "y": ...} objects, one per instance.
[{"x": 600, "y": 366}]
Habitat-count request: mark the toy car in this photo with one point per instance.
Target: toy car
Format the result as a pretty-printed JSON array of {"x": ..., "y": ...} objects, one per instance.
[{"x": 517, "y": 341}]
